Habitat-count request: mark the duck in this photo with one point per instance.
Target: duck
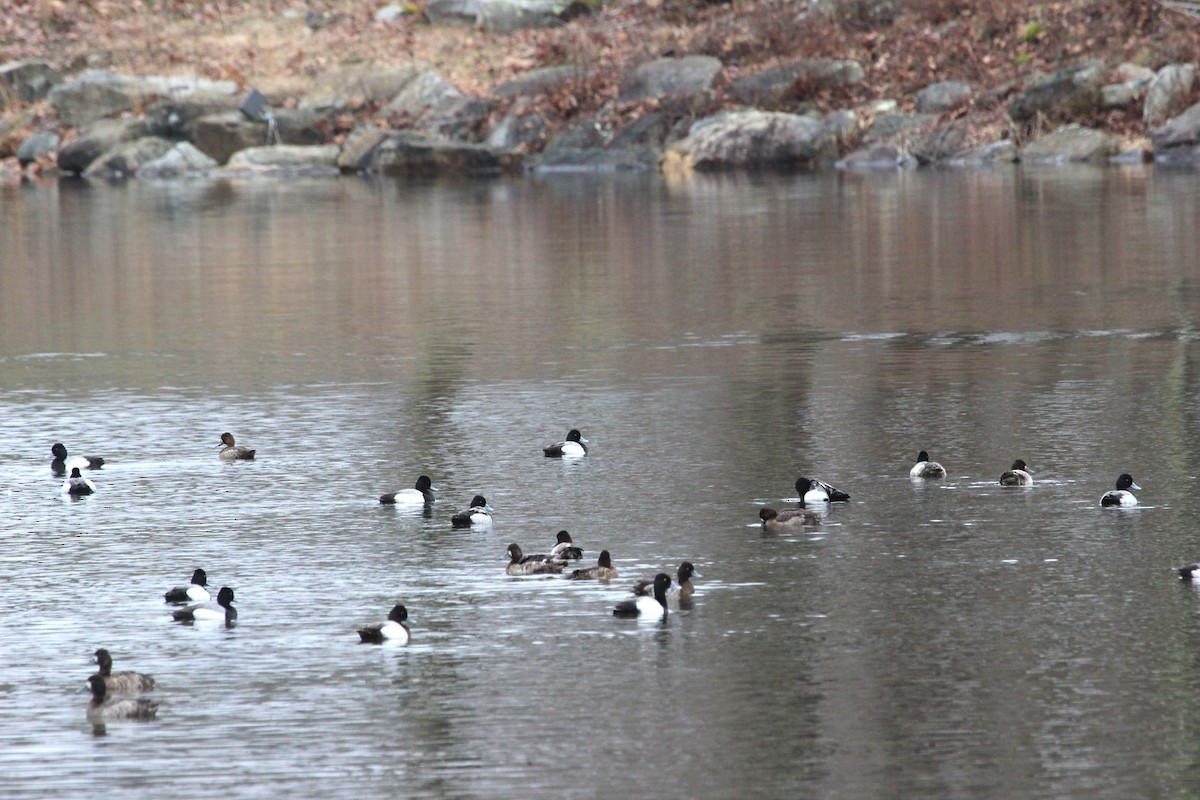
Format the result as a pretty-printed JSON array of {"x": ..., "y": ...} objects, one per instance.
[
  {"x": 1190, "y": 573},
  {"x": 564, "y": 549},
  {"x": 123, "y": 682},
  {"x": 574, "y": 446},
  {"x": 924, "y": 468},
  {"x": 205, "y": 612},
  {"x": 234, "y": 452},
  {"x": 61, "y": 463},
  {"x": 604, "y": 570},
  {"x": 1121, "y": 496},
  {"x": 194, "y": 592},
  {"x": 480, "y": 513},
  {"x": 788, "y": 517},
  {"x": 420, "y": 494},
  {"x": 393, "y": 629},
  {"x": 104, "y": 707},
  {"x": 652, "y": 607},
  {"x": 518, "y": 564},
  {"x": 1017, "y": 475},
  {"x": 816, "y": 491},
  {"x": 77, "y": 485},
  {"x": 681, "y": 590}
]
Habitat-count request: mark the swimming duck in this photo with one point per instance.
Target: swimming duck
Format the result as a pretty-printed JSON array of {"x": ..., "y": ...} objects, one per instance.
[
  {"x": 681, "y": 590},
  {"x": 603, "y": 570},
  {"x": 104, "y": 707},
  {"x": 815, "y": 491},
  {"x": 77, "y": 485},
  {"x": 1190, "y": 573},
  {"x": 789, "y": 517},
  {"x": 233, "y": 452},
  {"x": 519, "y": 565},
  {"x": 194, "y": 592},
  {"x": 420, "y": 494},
  {"x": 480, "y": 513},
  {"x": 653, "y": 607},
  {"x": 123, "y": 682},
  {"x": 1017, "y": 475},
  {"x": 61, "y": 464},
  {"x": 565, "y": 549},
  {"x": 393, "y": 629},
  {"x": 924, "y": 468},
  {"x": 573, "y": 447},
  {"x": 1121, "y": 496},
  {"x": 206, "y": 612}
]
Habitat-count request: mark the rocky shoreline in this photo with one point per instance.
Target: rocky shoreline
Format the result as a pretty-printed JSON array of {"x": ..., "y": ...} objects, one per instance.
[{"x": 693, "y": 113}]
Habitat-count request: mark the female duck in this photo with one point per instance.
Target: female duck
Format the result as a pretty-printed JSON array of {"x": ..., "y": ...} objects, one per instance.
[
  {"x": 814, "y": 491},
  {"x": 788, "y": 518},
  {"x": 393, "y": 629},
  {"x": 518, "y": 564},
  {"x": 123, "y": 682},
  {"x": 1017, "y": 475},
  {"x": 421, "y": 494},
  {"x": 603, "y": 570},
  {"x": 223, "y": 612},
  {"x": 194, "y": 592},
  {"x": 924, "y": 468},
  {"x": 61, "y": 465},
  {"x": 104, "y": 707},
  {"x": 683, "y": 590},
  {"x": 233, "y": 452},
  {"x": 479, "y": 514},
  {"x": 653, "y": 607},
  {"x": 574, "y": 447},
  {"x": 77, "y": 485},
  {"x": 1121, "y": 496}
]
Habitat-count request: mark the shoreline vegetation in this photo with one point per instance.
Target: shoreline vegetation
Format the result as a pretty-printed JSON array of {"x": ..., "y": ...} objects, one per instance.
[{"x": 167, "y": 88}]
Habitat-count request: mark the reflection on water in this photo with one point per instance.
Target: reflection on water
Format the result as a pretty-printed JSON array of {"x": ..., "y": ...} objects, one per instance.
[{"x": 713, "y": 340}]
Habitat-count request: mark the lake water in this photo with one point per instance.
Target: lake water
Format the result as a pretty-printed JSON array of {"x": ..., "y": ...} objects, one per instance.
[{"x": 713, "y": 340}]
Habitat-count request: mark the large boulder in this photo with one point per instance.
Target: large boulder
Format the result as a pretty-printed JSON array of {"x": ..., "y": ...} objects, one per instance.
[
  {"x": 752, "y": 139},
  {"x": 413, "y": 153},
  {"x": 999, "y": 152},
  {"x": 97, "y": 94},
  {"x": 1065, "y": 94},
  {"x": 794, "y": 80},
  {"x": 506, "y": 16},
  {"x": 96, "y": 139},
  {"x": 523, "y": 128},
  {"x": 1178, "y": 141},
  {"x": 896, "y": 124},
  {"x": 219, "y": 136},
  {"x": 124, "y": 160},
  {"x": 876, "y": 156},
  {"x": 1168, "y": 92},
  {"x": 36, "y": 145},
  {"x": 1070, "y": 143},
  {"x": 940, "y": 143},
  {"x": 180, "y": 161},
  {"x": 670, "y": 78},
  {"x": 303, "y": 159},
  {"x": 937, "y": 98},
  {"x": 354, "y": 86},
  {"x": 538, "y": 81},
  {"x": 26, "y": 81},
  {"x": 589, "y": 146},
  {"x": 424, "y": 91},
  {"x": 175, "y": 117}
]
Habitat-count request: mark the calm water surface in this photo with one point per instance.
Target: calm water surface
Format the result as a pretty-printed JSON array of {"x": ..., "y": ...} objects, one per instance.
[{"x": 713, "y": 340}]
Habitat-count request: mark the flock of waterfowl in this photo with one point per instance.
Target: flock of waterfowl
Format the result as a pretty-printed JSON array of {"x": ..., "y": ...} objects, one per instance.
[{"x": 116, "y": 695}]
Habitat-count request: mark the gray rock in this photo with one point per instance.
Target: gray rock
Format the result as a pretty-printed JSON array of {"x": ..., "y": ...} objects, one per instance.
[
  {"x": 125, "y": 159},
  {"x": 219, "y": 136},
  {"x": 1121, "y": 95},
  {"x": 1001, "y": 152},
  {"x": 1064, "y": 94},
  {"x": 97, "y": 94},
  {"x": 844, "y": 126},
  {"x": 99, "y": 137},
  {"x": 463, "y": 118},
  {"x": 305, "y": 126},
  {"x": 413, "y": 153},
  {"x": 26, "y": 81},
  {"x": 876, "y": 156},
  {"x": 424, "y": 91},
  {"x": 353, "y": 86},
  {"x": 752, "y": 139},
  {"x": 1128, "y": 73},
  {"x": 1070, "y": 143},
  {"x": 455, "y": 12},
  {"x": 505, "y": 16},
  {"x": 181, "y": 160},
  {"x": 940, "y": 144},
  {"x": 301, "y": 159},
  {"x": 175, "y": 117},
  {"x": 538, "y": 81},
  {"x": 1182, "y": 131},
  {"x": 794, "y": 80},
  {"x": 358, "y": 151},
  {"x": 589, "y": 146},
  {"x": 392, "y": 13},
  {"x": 937, "y": 98},
  {"x": 38, "y": 144},
  {"x": 889, "y": 126},
  {"x": 670, "y": 77},
  {"x": 1168, "y": 92}
]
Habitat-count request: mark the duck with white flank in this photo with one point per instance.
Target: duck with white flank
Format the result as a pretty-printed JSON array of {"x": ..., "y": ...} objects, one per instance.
[
  {"x": 419, "y": 495},
  {"x": 574, "y": 446},
  {"x": 814, "y": 491},
  {"x": 194, "y": 592},
  {"x": 61, "y": 464},
  {"x": 393, "y": 629},
  {"x": 233, "y": 452},
  {"x": 653, "y": 607},
  {"x": 1121, "y": 496},
  {"x": 1019, "y": 474},
  {"x": 221, "y": 611},
  {"x": 478, "y": 515},
  {"x": 77, "y": 485},
  {"x": 924, "y": 468}
]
